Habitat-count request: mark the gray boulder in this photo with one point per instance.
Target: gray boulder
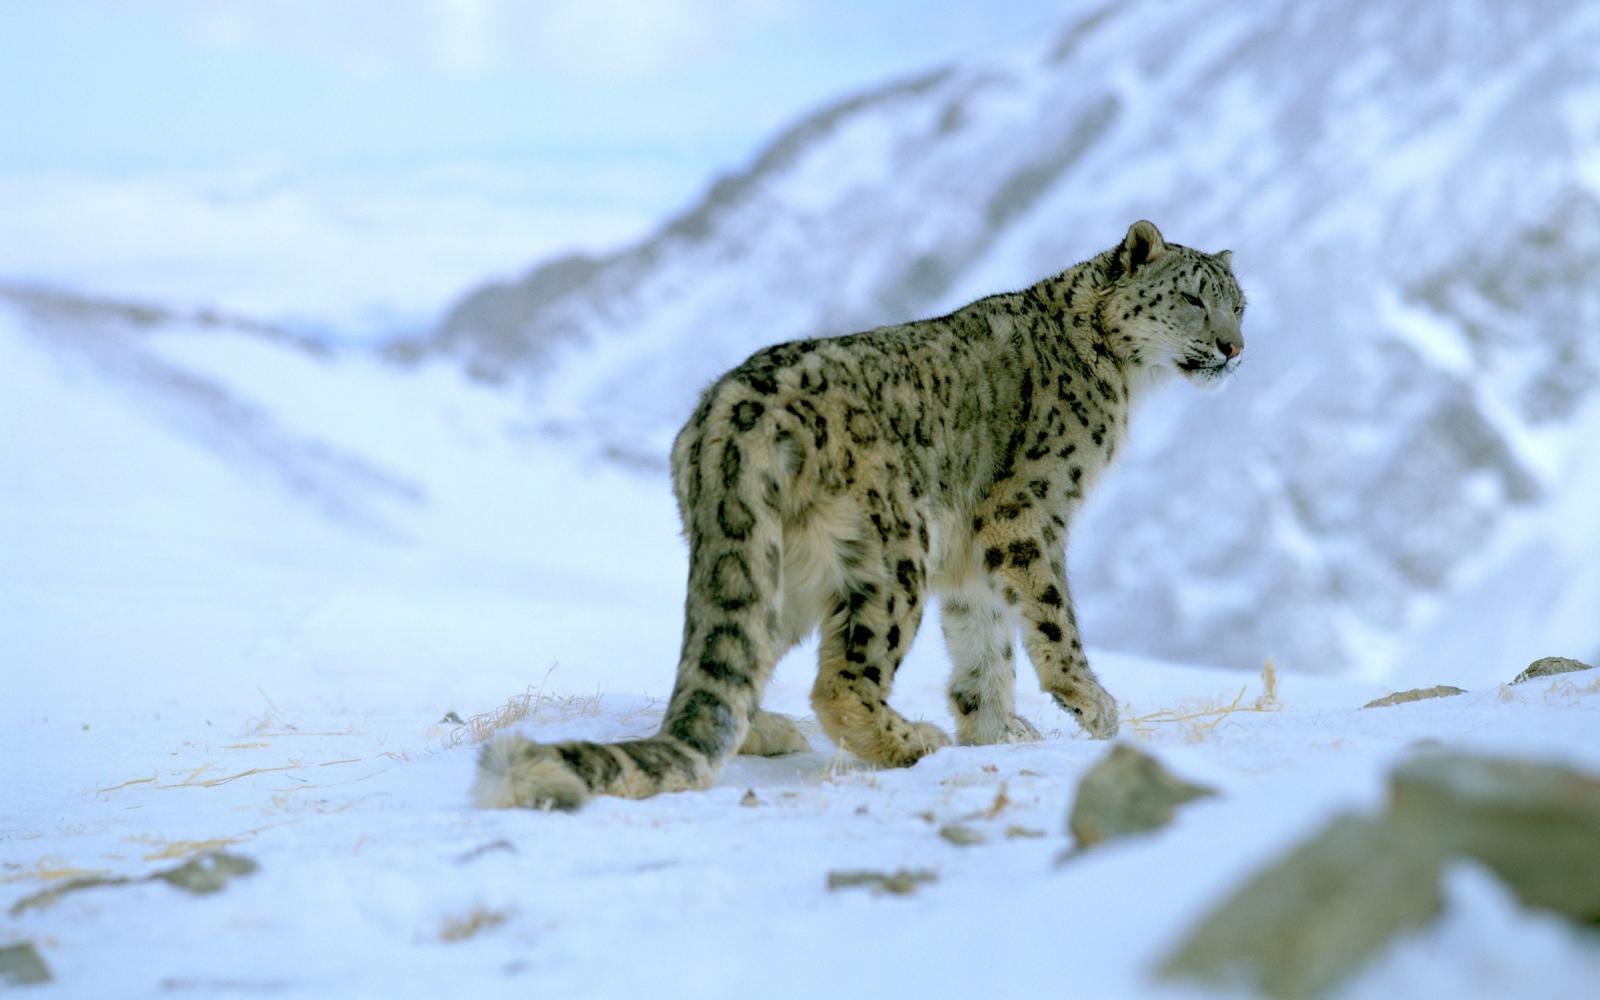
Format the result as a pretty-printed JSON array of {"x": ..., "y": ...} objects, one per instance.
[
  {"x": 1301, "y": 925},
  {"x": 20, "y": 965},
  {"x": 1127, "y": 792},
  {"x": 1536, "y": 825}
]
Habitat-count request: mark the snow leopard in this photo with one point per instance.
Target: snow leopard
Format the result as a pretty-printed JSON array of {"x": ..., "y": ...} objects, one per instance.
[{"x": 836, "y": 483}]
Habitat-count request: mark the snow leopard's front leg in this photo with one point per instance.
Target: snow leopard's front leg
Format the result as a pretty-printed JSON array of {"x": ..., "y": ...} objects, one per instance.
[{"x": 1024, "y": 554}]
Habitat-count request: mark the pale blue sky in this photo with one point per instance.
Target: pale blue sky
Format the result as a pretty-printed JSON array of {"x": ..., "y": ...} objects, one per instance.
[
  {"x": 359, "y": 163},
  {"x": 91, "y": 84}
]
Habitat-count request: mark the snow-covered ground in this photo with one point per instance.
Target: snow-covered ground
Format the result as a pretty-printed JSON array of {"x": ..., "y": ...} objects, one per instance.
[{"x": 253, "y": 647}]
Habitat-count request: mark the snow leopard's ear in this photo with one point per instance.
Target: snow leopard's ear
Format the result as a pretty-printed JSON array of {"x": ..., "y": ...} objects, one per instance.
[
  {"x": 1142, "y": 245},
  {"x": 1225, "y": 258}
]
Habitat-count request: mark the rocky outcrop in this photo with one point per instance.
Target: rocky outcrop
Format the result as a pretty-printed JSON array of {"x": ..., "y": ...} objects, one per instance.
[
  {"x": 1550, "y": 666},
  {"x": 1536, "y": 825},
  {"x": 1306, "y": 922},
  {"x": 1300, "y": 926},
  {"x": 1415, "y": 694}
]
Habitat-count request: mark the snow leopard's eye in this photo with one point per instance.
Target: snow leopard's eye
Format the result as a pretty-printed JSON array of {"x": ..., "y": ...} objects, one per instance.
[{"x": 1193, "y": 300}]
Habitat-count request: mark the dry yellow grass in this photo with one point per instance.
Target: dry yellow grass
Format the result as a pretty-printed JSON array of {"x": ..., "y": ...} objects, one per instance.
[
  {"x": 1198, "y": 719},
  {"x": 44, "y": 871},
  {"x": 184, "y": 848},
  {"x": 271, "y": 724},
  {"x": 844, "y": 766},
  {"x": 1567, "y": 692},
  {"x": 48, "y": 870},
  {"x": 531, "y": 705},
  {"x": 193, "y": 779}
]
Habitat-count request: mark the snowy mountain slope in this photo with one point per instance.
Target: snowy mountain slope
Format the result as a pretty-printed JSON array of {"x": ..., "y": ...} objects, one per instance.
[
  {"x": 116, "y": 342},
  {"x": 1409, "y": 431},
  {"x": 197, "y": 507},
  {"x": 343, "y": 249}
]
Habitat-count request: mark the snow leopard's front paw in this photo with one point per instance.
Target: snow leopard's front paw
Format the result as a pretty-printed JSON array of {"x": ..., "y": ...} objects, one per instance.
[
  {"x": 983, "y": 728},
  {"x": 772, "y": 735},
  {"x": 925, "y": 739},
  {"x": 1019, "y": 730},
  {"x": 1094, "y": 709}
]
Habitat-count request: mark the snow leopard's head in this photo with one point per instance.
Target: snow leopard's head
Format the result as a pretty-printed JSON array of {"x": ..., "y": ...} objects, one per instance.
[{"x": 1168, "y": 306}]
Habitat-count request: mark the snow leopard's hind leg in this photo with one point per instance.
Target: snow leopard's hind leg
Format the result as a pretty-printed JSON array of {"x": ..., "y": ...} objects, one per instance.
[
  {"x": 865, "y": 635},
  {"x": 983, "y": 676},
  {"x": 731, "y": 637},
  {"x": 725, "y": 664}
]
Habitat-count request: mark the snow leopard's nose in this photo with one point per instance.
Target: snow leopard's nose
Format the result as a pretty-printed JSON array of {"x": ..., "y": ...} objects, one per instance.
[{"x": 1231, "y": 346}]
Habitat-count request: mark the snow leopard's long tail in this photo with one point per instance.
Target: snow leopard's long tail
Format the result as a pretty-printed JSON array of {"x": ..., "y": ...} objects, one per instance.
[
  {"x": 731, "y": 513},
  {"x": 705, "y": 723}
]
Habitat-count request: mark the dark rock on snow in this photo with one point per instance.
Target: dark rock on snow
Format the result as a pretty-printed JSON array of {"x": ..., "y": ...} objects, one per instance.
[
  {"x": 1302, "y": 925},
  {"x": 1415, "y": 694},
  {"x": 1549, "y": 666},
  {"x": 1127, "y": 792}
]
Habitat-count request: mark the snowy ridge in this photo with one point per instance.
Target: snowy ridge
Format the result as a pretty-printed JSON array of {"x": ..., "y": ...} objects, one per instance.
[
  {"x": 1371, "y": 165},
  {"x": 119, "y": 343}
]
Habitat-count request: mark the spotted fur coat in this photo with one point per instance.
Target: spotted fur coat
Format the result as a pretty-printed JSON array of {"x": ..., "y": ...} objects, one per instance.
[{"x": 837, "y": 483}]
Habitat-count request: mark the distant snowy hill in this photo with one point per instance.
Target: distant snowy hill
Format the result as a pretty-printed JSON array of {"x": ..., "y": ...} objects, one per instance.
[
  {"x": 195, "y": 502},
  {"x": 1402, "y": 479},
  {"x": 135, "y": 352}
]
